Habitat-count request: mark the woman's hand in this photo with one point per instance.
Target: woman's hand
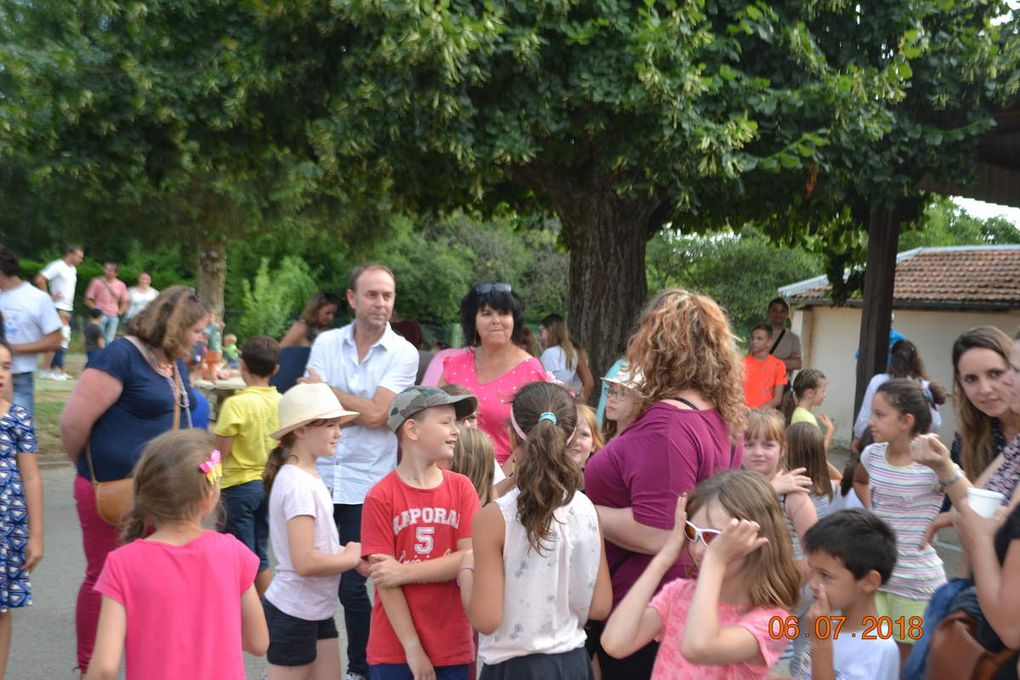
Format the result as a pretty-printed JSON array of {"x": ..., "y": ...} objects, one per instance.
[
  {"x": 791, "y": 482},
  {"x": 739, "y": 539},
  {"x": 972, "y": 527},
  {"x": 928, "y": 450}
]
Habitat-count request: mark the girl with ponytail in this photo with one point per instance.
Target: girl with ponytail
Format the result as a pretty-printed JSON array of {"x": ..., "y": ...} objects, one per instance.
[
  {"x": 177, "y": 587},
  {"x": 538, "y": 569}
]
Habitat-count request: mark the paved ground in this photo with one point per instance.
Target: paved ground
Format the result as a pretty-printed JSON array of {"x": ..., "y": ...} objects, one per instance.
[{"x": 44, "y": 641}]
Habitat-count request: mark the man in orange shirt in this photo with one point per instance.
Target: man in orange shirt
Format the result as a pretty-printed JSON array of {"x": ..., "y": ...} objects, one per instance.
[{"x": 764, "y": 375}]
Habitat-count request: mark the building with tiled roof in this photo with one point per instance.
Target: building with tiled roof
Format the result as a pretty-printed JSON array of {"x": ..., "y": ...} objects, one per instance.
[
  {"x": 939, "y": 293},
  {"x": 969, "y": 277}
]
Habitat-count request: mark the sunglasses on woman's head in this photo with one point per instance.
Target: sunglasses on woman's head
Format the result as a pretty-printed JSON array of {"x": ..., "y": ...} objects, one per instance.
[
  {"x": 486, "y": 288},
  {"x": 694, "y": 532}
]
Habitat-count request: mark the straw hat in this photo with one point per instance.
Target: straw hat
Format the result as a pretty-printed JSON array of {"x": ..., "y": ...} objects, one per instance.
[
  {"x": 624, "y": 377},
  {"x": 306, "y": 402}
]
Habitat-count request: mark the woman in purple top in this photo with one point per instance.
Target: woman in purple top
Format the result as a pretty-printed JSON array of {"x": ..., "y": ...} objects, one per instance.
[{"x": 691, "y": 404}]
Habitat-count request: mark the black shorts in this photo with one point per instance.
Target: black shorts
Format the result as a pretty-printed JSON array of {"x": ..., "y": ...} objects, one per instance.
[{"x": 292, "y": 641}]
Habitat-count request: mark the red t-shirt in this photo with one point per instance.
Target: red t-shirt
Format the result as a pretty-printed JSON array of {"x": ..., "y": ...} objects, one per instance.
[
  {"x": 415, "y": 525},
  {"x": 761, "y": 378}
]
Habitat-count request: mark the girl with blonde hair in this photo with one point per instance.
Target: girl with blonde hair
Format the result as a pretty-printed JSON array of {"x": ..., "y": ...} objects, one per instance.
[
  {"x": 690, "y": 403},
  {"x": 733, "y": 528}
]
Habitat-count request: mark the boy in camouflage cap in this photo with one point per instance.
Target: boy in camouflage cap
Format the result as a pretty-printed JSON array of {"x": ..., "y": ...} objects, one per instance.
[{"x": 416, "y": 524}]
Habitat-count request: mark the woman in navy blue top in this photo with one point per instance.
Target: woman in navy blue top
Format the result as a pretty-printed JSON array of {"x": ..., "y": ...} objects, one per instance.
[{"x": 125, "y": 397}]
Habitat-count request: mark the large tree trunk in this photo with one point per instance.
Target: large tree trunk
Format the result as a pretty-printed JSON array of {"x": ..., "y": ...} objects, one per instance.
[
  {"x": 876, "y": 312},
  {"x": 211, "y": 267}
]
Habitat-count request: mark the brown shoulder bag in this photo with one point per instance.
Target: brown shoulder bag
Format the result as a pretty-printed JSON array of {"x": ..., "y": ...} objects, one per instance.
[{"x": 956, "y": 653}]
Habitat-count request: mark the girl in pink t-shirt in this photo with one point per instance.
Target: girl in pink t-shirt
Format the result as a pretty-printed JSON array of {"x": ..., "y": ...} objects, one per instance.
[
  {"x": 737, "y": 538},
  {"x": 180, "y": 602}
]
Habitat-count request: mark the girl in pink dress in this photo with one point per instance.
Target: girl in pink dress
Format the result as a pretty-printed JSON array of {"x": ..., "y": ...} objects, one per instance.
[
  {"x": 494, "y": 366},
  {"x": 181, "y": 602}
]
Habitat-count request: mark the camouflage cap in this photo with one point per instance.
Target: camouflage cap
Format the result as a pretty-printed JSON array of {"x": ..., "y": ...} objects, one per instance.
[{"x": 418, "y": 398}]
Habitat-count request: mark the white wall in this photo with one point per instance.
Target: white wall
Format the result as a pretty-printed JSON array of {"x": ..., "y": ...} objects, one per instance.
[{"x": 829, "y": 338}]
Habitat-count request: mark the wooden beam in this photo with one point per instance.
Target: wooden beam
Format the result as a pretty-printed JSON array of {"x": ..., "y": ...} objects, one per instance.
[{"x": 876, "y": 311}]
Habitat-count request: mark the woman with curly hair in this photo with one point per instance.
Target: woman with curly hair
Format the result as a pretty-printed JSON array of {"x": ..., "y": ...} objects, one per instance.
[{"x": 691, "y": 405}]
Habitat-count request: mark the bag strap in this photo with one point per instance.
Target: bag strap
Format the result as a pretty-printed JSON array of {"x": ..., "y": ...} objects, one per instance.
[
  {"x": 178, "y": 388},
  {"x": 88, "y": 459},
  {"x": 777, "y": 341}
]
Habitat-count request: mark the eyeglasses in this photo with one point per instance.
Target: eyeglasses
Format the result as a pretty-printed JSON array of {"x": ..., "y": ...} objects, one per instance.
[
  {"x": 617, "y": 392},
  {"x": 486, "y": 288},
  {"x": 694, "y": 532}
]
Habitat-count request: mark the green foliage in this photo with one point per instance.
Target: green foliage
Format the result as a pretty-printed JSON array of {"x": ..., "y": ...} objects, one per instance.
[
  {"x": 741, "y": 271},
  {"x": 273, "y": 299},
  {"x": 946, "y": 224}
]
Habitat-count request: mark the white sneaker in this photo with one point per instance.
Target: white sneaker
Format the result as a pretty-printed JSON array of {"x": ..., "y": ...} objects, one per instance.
[
  {"x": 45, "y": 375},
  {"x": 60, "y": 376},
  {"x": 354, "y": 676}
]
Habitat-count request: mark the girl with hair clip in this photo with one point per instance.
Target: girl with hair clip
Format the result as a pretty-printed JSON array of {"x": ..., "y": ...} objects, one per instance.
[
  {"x": 733, "y": 529},
  {"x": 182, "y": 587},
  {"x": 809, "y": 390},
  {"x": 567, "y": 362},
  {"x": 301, "y": 601},
  {"x": 905, "y": 494},
  {"x": 538, "y": 571},
  {"x": 904, "y": 363}
]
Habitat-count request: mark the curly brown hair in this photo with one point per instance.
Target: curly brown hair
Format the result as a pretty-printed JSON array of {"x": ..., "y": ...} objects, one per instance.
[
  {"x": 547, "y": 477},
  {"x": 684, "y": 341},
  {"x": 165, "y": 321}
]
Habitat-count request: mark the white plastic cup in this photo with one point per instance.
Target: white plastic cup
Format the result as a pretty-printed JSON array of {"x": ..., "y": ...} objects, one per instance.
[{"x": 983, "y": 501}]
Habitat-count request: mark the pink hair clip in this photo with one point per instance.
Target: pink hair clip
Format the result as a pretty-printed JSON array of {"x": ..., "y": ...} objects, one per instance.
[{"x": 212, "y": 468}]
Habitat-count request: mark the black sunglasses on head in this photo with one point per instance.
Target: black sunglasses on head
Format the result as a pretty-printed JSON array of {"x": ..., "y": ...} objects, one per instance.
[{"x": 497, "y": 286}]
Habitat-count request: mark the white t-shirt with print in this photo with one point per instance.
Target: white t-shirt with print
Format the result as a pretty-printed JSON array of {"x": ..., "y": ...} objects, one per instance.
[
  {"x": 63, "y": 279},
  {"x": 297, "y": 493},
  {"x": 29, "y": 315},
  {"x": 857, "y": 659}
]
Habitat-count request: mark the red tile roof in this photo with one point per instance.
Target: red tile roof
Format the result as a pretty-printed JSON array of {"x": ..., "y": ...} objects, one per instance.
[{"x": 973, "y": 277}]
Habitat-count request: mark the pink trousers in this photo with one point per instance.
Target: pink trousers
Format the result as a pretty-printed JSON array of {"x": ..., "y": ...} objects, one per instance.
[{"x": 98, "y": 539}]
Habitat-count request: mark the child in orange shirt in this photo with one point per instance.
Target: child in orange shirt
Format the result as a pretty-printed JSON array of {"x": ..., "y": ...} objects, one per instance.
[{"x": 764, "y": 375}]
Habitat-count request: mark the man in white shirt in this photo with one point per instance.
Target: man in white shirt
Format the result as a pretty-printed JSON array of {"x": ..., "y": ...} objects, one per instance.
[
  {"x": 31, "y": 326},
  {"x": 60, "y": 278},
  {"x": 367, "y": 364}
]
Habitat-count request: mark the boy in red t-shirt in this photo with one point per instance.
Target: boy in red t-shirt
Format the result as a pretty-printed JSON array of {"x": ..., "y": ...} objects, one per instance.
[
  {"x": 416, "y": 523},
  {"x": 764, "y": 375}
]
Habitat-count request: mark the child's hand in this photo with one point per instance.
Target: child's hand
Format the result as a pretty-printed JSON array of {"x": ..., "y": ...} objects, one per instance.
[
  {"x": 387, "y": 572},
  {"x": 827, "y": 425},
  {"x": 419, "y": 663},
  {"x": 791, "y": 482},
  {"x": 352, "y": 554},
  {"x": 739, "y": 539},
  {"x": 33, "y": 552},
  {"x": 675, "y": 543},
  {"x": 820, "y": 608}
]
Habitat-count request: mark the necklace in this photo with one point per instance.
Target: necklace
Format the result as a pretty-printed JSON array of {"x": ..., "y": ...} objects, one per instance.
[{"x": 158, "y": 365}]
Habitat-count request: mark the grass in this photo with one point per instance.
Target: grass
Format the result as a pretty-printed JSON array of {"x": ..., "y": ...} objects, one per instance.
[{"x": 50, "y": 397}]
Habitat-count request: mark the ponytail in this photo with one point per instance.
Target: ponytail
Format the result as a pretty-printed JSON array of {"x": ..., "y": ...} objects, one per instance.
[
  {"x": 134, "y": 526},
  {"x": 277, "y": 458},
  {"x": 544, "y": 417},
  {"x": 788, "y": 405}
]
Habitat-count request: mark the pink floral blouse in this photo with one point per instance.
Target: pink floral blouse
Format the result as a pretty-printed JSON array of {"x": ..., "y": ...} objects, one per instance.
[{"x": 494, "y": 397}]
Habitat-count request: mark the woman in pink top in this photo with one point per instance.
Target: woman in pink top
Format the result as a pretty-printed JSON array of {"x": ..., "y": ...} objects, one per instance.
[
  {"x": 691, "y": 403},
  {"x": 494, "y": 366}
]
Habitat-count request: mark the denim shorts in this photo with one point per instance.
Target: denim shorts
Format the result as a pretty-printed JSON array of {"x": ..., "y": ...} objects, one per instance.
[
  {"x": 294, "y": 641},
  {"x": 247, "y": 517}
]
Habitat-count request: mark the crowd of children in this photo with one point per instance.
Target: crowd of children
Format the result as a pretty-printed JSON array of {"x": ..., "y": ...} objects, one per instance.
[{"x": 797, "y": 565}]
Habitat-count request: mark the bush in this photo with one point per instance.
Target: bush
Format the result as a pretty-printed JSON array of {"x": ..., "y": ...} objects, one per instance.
[{"x": 270, "y": 301}]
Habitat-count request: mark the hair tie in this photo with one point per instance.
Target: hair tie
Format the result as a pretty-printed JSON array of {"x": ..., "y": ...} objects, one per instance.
[
  {"x": 212, "y": 468},
  {"x": 547, "y": 415}
]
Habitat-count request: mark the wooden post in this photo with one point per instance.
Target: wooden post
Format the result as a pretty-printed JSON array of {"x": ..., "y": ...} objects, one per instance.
[{"x": 876, "y": 311}]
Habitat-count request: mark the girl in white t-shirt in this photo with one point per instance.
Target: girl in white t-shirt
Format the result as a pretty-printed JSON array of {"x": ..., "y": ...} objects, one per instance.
[
  {"x": 563, "y": 359},
  {"x": 301, "y": 601},
  {"x": 538, "y": 569}
]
